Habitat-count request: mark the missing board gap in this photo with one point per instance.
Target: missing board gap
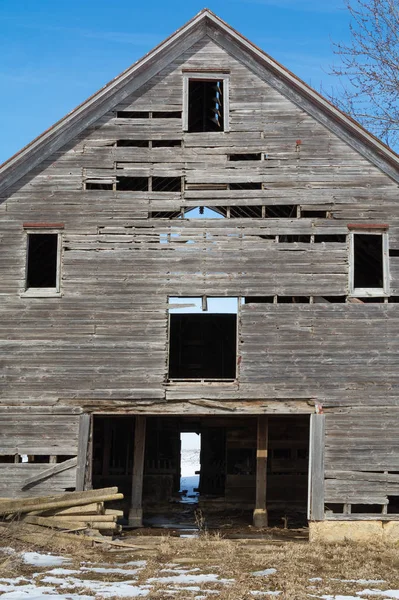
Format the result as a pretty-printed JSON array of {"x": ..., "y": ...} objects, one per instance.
[
  {"x": 132, "y": 114},
  {"x": 393, "y": 505},
  {"x": 373, "y": 300},
  {"x": 281, "y": 211},
  {"x": 166, "y": 184},
  {"x": 246, "y": 185},
  {"x": 206, "y": 186},
  {"x": 244, "y": 212},
  {"x": 96, "y": 185},
  {"x": 132, "y": 143},
  {"x": 166, "y": 143},
  {"x": 293, "y": 299},
  {"x": 329, "y": 299},
  {"x": 175, "y": 114},
  {"x": 315, "y": 214},
  {"x": 132, "y": 184},
  {"x": 366, "y": 508},
  {"x": 164, "y": 214},
  {"x": 335, "y": 508},
  {"x": 259, "y": 299},
  {"x": 246, "y": 156},
  {"x": 290, "y": 239},
  {"x": 394, "y": 252},
  {"x": 330, "y": 239},
  {"x": 9, "y": 458}
]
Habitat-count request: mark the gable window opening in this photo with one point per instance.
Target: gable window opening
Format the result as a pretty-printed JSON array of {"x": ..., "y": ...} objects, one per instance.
[
  {"x": 43, "y": 263},
  {"x": 206, "y": 101},
  {"x": 369, "y": 256},
  {"x": 205, "y": 105},
  {"x": 202, "y": 338}
]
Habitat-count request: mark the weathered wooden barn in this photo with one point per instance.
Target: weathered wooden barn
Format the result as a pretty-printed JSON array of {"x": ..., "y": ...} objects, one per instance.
[{"x": 205, "y": 245}]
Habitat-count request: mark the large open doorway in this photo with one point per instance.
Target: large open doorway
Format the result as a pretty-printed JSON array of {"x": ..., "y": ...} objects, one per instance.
[{"x": 206, "y": 464}]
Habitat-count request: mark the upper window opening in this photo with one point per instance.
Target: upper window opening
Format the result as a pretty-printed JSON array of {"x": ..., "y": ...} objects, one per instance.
[
  {"x": 42, "y": 264},
  {"x": 206, "y": 101},
  {"x": 369, "y": 263},
  {"x": 202, "y": 338}
]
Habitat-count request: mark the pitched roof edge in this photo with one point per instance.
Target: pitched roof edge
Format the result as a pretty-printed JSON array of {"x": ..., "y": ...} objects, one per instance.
[
  {"x": 11, "y": 170},
  {"x": 348, "y": 122},
  {"x": 109, "y": 88}
]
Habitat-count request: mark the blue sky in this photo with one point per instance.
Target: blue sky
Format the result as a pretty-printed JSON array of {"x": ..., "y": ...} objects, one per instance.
[{"x": 56, "y": 53}]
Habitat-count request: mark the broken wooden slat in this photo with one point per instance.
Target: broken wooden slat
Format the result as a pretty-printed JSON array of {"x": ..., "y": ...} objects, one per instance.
[{"x": 57, "y": 468}]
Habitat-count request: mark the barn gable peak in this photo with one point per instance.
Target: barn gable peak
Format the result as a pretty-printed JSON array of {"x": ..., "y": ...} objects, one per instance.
[{"x": 205, "y": 23}]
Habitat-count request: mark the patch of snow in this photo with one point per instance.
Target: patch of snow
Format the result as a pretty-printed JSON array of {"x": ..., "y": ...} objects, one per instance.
[
  {"x": 33, "y": 592},
  {"x": 180, "y": 571},
  {"x": 105, "y": 589},
  {"x": 107, "y": 570},
  {"x": 187, "y": 579},
  {"x": 316, "y": 579},
  {"x": 327, "y": 597},
  {"x": 264, "y": 573},
  {"x": 38, "y": 559},
  {"x": 12, "y": 581},
  {"x": 58, "y": 571},
  {"x": 256, "y": 593},
  {"x": 385, "y": 593}
]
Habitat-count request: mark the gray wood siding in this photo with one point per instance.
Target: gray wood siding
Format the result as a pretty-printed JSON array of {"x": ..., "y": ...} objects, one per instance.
[
  {"x": 362, "y": 456},
  {"x": 105, "y": 338}
]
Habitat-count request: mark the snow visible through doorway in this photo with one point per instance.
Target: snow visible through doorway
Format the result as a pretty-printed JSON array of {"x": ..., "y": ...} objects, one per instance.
[{"x": 189, "y": 466}]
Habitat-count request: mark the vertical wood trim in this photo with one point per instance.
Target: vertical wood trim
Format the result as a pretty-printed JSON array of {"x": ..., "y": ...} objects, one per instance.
[
  {"x": 185, "y": 103},
  {"x": 226, "y": 104},
  {"x": 260, "y": 513},
  {"x": 88, "y": 484},
  {"x": 83, "y": 441},
  {"x": 136, "y": 510},
  {"x": 316, "y": 467}
]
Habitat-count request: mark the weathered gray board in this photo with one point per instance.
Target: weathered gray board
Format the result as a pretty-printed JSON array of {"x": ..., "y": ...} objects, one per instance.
[{"x": 105, "y": 339}]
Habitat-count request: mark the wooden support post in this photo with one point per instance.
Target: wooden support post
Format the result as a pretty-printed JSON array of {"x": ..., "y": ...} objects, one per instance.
[
  {"x": 260, "y": 512},
  {"x": 316, "y": 468},
  {"x": 136, "y": 507}
]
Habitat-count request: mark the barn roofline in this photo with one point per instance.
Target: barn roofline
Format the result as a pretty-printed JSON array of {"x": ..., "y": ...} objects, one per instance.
[{"x": 64, "y": 130}]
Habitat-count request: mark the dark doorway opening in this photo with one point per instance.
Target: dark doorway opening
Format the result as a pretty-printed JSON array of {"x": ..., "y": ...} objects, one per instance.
[
  {"x": 226, "y": 462},
  {"x": 190, "y": 466}
]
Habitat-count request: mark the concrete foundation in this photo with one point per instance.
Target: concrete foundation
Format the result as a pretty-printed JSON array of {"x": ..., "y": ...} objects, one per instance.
[
  {"x": 356, "y": 531},
  {"x": 260, "y": 518}
]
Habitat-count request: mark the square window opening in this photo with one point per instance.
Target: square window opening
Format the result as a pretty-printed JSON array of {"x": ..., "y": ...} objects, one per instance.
[
  {"x": 203, "y": 338},
  {"x": 205, "y": 105},
  {"x": 42, "y": 264}
]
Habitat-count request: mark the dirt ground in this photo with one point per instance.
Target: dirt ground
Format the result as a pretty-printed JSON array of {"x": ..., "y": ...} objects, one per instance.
[{"x": 208, "y": 566}]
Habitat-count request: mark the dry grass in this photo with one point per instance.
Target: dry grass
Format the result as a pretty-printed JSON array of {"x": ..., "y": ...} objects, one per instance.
[{"x": 296, "y": 564}]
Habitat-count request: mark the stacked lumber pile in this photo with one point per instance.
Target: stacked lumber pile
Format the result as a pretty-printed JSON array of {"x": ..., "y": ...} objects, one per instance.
[{"x": 82, "y": 512}]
